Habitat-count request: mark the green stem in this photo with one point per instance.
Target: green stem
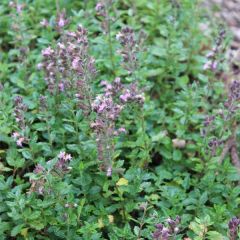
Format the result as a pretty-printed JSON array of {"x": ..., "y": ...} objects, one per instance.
[
  {"x": 68, "y": 227},
  {"x": 110, "y": 41},
  {"x": 57, "y": 6},
  {"x": 142, "y": 224}
]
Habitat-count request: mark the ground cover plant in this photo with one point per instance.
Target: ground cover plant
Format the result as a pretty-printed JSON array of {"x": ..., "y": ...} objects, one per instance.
[{"x": 118, "y": 120}]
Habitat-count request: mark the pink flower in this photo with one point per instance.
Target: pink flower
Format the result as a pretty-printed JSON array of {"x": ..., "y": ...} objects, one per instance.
[
  {"x": 19, "y": 8},
  {"x": 109, "y": 172},
  {"x": 47, "y": 52},
  {"x": 119, "y": 36},
  {"x": 125, "y": 97},
  {"x": 210, "y": 54},
  {"x": 64, "y": 156},
  {"x": 214, "y": 65},
  {"x": 101, "y": 107},
  {"x": 71, "y": 34},
  {"x": 103, "y": 83},
  {"x": 99, "y": 7},
  {"x": 61, "y": 46},
  {"x": 117, "y": 80},
  {"x": 207, "y": 65},
  {"x": 109, "y": 87},
  {"x": 68, "y": 157},
  {"x": 210, "y": 65},
  {"x": 61, "y": 22},
  {"x": 122, "y": 130},
  {"x": 61, "y": 155},
  {"x": 38, "y": 169},
  {"x": 61, "y": 87},
  {"x": 75, "y": 63},
  {"x": 20, "y": 141},
  {"x": 39, "y": 66},
  {"x": 15, "y": 135}
]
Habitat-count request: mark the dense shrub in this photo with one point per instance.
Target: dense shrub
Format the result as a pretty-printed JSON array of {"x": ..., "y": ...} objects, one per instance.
[{"x": 115, "y": 122}]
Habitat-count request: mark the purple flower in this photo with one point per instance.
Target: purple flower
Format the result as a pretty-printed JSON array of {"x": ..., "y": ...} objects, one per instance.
[
  {"x": 164, "y": 233},
  {"x": 70, "y": 62},
  {"x": 101, "y": 9},
  {"x": 19, "y": 8},
  {"x": 19, "y": 111},
  {"x": 39, "y": 169},
  {"x": 39, "y": 66},
  {"x": 61, "y": 20},
  {"x": 233, "y": 228},
  {"x": 99, "y": 6}
]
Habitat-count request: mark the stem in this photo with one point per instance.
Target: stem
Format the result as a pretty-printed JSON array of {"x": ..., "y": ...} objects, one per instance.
[
  {"x": 144, "y": 136},
  {"x": 110, "y": 40},
  {"x": 57, "y": 6},
  {"x": 142, "y": 223},
  {"x": 68, "y": 227}
]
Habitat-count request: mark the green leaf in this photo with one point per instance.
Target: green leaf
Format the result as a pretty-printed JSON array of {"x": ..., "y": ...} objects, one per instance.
[
  {"x": 16, "y": 230},
  {"x": 177, "y": 155},
  {"x": 182, "y": 81},
  {"x": 69, "y": 128},
  {"x": 213, "y": 235},
  {"x": 203, "y": 199}
]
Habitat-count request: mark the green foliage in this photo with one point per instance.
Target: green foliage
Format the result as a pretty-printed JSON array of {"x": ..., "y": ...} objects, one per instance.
[{"x": 163, "y": 160}]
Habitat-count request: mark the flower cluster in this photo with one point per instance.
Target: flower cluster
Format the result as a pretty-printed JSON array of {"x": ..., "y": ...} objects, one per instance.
[
  {"x": 18, "y": 138},
  {"x": 19, "y": 111},
  {"x": 69, "y": 66},
  {"x": 131, "y": 45},
  {"x": 43, "y": 102},
  {"x": 19, "y": 7},
  {"x": 108, "y": 107},
  {"x": 107, "y": 111},
  {"x": 132, "y": 94},
  {"x": 61, "y": 21},
  {"x": 208, "y": 121},
  {"x": 212, "y": 56},
  {"x": 233, "y": 97},
  {"x": 19, "y": 27},
  {"x": 62, "y": 163},
  {"x": 37, "y": 185},
  {"x": 102, "y": 10},
  {"x": 214, "y": 144},
  {"x": 164, "y": 233},
  {"x": 226, "y": 114},
  {"x": 233, "y": 226}
]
